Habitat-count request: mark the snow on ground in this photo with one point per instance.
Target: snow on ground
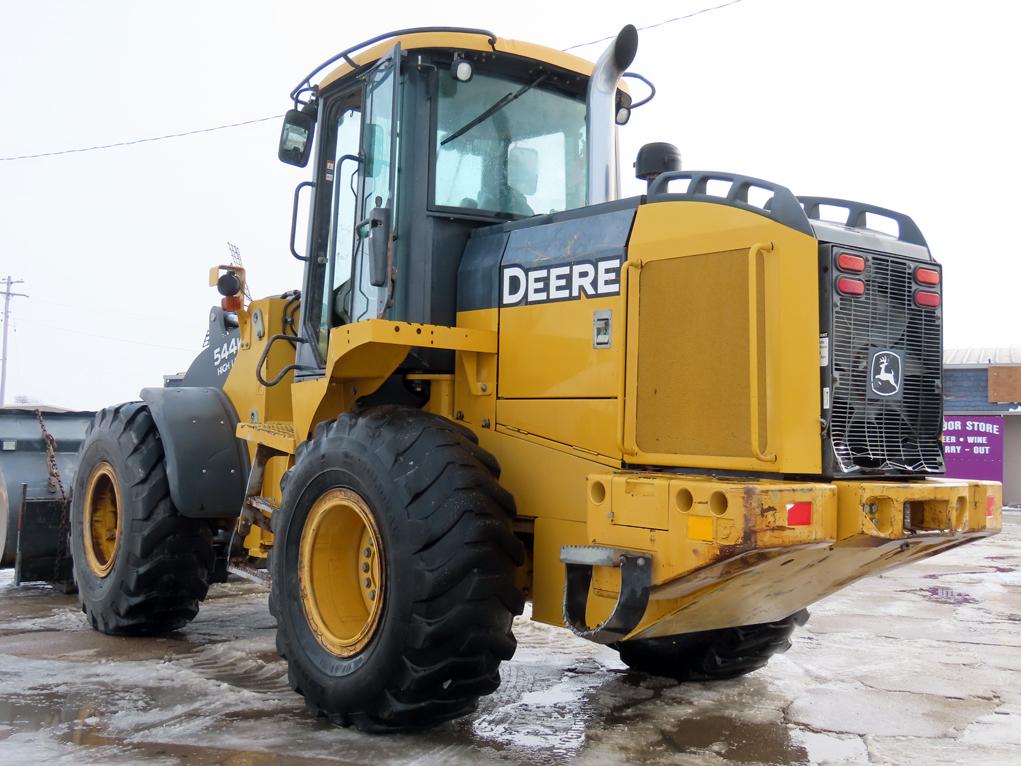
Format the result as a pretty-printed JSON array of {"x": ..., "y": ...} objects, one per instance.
[{"x": 921, "y": 665}]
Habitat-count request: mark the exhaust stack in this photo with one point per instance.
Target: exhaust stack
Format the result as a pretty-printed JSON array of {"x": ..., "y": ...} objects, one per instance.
[{"x": 601, "y": 116}]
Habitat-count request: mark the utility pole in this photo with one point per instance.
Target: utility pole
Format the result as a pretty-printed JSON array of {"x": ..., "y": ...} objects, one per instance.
[{"x": 8, "y": 282}]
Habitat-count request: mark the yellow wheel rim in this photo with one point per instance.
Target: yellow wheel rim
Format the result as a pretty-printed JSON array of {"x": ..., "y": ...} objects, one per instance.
[
  {"x": 101, "y": 519},
  {"x": 340, "y": 572}
]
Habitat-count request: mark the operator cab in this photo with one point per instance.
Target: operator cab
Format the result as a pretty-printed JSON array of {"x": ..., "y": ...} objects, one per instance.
[{"x": 421, "y": 142}]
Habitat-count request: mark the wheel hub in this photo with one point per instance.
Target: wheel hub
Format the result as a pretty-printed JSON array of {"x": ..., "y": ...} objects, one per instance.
[
  {"x": 340, "y": 572},
  {"x": 101, "y": 519}
]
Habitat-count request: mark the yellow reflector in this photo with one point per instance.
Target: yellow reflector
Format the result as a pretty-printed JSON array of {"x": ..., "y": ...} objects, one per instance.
[{"x": 700, "y": 528}]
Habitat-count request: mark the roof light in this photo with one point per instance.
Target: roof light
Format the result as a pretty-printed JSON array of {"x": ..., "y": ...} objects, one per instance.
[
  {"x": 848, "y": 286},
  {"x": 461, "y": 70},
  {"x": 799, "y": 514},
  {"x": 926, "y": 276},
  {"x": 926, "y": 299},
  {"x": 848, "y": 262}
]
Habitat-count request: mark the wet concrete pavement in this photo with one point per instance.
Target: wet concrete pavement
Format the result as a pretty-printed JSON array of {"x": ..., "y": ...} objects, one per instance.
[{"x": 919, "y": 666}]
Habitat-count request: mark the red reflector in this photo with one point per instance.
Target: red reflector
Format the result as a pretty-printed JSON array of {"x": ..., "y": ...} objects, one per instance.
[
  {"x": 848, "y": 262},
  {"x": 990, "y": 502},
  {"x": 926, "y": 299},
  {"x": 799, "y": 514},
  {"x": 927, "y": 276},
  {"x": 848, "y": 286}
]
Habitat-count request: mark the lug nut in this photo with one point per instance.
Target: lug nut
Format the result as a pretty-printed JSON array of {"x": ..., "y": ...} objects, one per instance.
[
  {"x": 368, "y": 583},
  {"x": 372, "y": 595},
  {"x": 367, "y": 552},
  {"x": 365, "y": 566}
]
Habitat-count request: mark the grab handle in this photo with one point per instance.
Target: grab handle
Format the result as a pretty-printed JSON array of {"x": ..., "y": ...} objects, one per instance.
[
  {"x": 753, "y": 351},
  {"x": 294, "y": 217}
]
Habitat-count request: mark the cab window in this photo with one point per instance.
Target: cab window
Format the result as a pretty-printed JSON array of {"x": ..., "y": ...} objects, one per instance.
[{"x": 524, "y": 158}]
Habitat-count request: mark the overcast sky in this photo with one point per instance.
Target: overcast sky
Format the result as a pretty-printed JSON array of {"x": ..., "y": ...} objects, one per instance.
[{"x": 907, "y": 105}]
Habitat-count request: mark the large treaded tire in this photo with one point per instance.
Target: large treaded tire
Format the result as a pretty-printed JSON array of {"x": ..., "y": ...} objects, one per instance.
[
  {"x": 712, "y": 655},
  {"x": 449, "y": 560},
  {"x": 162, "y": 563}
]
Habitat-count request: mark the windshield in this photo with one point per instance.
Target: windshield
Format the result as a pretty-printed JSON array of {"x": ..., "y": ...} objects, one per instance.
[{"x": 525, "y": 158}]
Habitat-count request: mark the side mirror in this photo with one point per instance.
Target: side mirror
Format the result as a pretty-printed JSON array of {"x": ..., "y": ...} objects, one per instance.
[
  {"x": 523, "y": 170},
  {"x": 376, "y": 229},
  {"x": 296, "y": 137}
]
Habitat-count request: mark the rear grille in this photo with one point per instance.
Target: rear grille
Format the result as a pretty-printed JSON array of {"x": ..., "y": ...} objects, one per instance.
[{"x": 893, "y": 433}]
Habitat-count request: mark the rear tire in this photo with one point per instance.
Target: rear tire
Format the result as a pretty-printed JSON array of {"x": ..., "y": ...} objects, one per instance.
[
  {"x": 141, "y": 567},
  {"x": 711, "y": 655},
  {"x": 419, "y": 492}
]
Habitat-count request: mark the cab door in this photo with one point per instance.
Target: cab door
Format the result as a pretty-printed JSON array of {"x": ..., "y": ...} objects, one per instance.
[
  {"x": 355, "y": 182},
  {"x": 377, "y": 194}
]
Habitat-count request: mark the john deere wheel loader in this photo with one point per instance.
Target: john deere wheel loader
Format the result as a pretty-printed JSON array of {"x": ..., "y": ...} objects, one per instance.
[{"x": 671, "y": 421}]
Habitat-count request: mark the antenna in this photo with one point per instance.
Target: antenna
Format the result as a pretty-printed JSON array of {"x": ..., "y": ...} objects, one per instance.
[
  {"x": 235, "y": 258},
  {"x": 7, "y": 282}
]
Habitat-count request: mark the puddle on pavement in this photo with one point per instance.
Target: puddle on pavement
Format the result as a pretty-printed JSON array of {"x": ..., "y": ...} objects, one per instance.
[
  {"x": 942, "y": 595},
  {"x": 735, "y": 740}
]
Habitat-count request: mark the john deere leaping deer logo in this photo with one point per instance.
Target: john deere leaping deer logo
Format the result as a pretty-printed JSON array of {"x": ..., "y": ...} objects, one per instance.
[{"x": 886, "y": 373}]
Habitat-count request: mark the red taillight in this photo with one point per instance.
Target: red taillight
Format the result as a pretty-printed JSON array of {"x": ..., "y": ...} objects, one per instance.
[
  {"x": 848, "y": 286},
  {"x": 925, "y": 299},
  {"x": 799, "y": 514},
  {"x": 990, "y": 502},
  {"x": 926, "y": 276},
  {"x": 232, "y": 302},
  {"x": 848, "y": 262}
]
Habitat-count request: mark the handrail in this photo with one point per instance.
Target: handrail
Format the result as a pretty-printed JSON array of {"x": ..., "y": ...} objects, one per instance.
[
  {"x": 753, "y": 352},
  {"x": 294, "y": 216},
  {"x": 625, "y": 271},
  {"x": 783, "y": 207},
  {"x": 907, "y": 229},
  {"x": 265, "y": 355},
  {"x": 346, "y": 53}
]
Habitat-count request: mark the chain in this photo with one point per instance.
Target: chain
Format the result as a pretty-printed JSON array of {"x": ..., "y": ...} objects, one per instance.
[{"x": 56, "y": 485}]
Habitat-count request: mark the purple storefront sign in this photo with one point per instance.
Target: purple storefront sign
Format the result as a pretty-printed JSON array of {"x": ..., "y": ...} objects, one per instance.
[{"x": 973, "y": 446}]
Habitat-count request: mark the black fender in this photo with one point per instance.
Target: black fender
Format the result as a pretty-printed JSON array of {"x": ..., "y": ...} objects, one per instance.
[{"x": 207, "y": 465}]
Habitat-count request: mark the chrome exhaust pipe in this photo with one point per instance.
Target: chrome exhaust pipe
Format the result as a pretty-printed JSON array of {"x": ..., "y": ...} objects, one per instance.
[{"x": 601, "y": 116}]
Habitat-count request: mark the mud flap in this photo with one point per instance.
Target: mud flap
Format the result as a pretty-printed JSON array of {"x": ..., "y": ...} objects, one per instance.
[{"x": 635, "y": 580}]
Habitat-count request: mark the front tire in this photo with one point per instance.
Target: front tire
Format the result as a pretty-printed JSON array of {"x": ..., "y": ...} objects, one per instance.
[
  {"x": 393, "y": 570},
  {"x": 141, "y": 567},
  {"x": 711, "y": 655}
]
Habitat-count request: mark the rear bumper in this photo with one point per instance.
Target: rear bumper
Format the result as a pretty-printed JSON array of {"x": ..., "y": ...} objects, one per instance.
[{"x": 738, "y": 552}]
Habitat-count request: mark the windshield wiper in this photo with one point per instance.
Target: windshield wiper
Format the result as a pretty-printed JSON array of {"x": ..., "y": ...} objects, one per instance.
[{"x": 493, "y": 109}]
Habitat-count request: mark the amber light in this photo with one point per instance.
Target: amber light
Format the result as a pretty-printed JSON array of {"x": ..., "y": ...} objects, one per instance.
[
  {"x": 848, "y": 262},
  {"x": 232, "y": 303},
  {"x": 926, "y": 299},
  {"x": 926, "y": 276},
  {"x": 848, "y": 286}
]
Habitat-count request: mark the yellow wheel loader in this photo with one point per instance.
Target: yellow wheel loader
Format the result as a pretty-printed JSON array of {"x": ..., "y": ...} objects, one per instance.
[{"x": 671, "y": 422}]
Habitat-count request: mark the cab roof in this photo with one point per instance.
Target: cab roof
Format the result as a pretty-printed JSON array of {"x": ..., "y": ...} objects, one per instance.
[{"x": 473, "y": 40}]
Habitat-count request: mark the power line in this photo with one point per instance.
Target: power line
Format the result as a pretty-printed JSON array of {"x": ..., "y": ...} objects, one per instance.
[
  {"x": 691, "y": 15},
  {"x": 227, "y": 126},
  {"x": 141, "y": 140},
  {"x": 106, "y": 337}
]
